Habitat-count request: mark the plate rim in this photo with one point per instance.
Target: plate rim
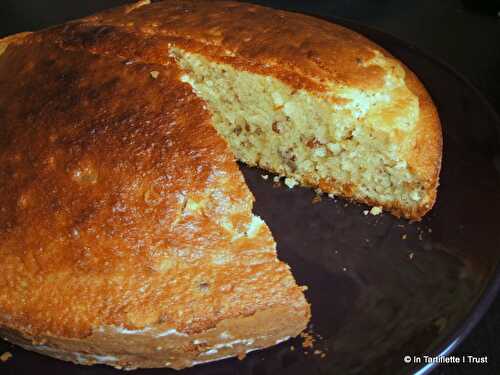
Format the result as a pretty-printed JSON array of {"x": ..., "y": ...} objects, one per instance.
[{"x": 492, "y": 288}]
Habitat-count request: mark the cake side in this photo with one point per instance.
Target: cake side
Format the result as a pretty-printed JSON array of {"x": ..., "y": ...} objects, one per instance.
[
  {"x": 308, "y": 140},
  {"x": 166, "y": 347},
  {"x": 127, "y": 216},
  {"x": 426, "y": 155}
]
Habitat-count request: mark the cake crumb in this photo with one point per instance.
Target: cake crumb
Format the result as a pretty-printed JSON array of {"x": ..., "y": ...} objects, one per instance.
[
  {"x": 365, "y": 212},
  {"x": 154, "y": 74},
  {"x": 241, "y": 355},
  {"x": 411, "y": 255},
  {"x": 376, "y": 210},
  {"x": 316, "y": 199},
  {"x": 308, "y": 340},
  {"x": 276, "y": 181},
  {"x": 429, "y": 230},
  {"x": 331, "y": 195},
  {"x": 292, "y": 348},
  {"x": 311, "y": 342},
  {"x": 264, "y": 176},
  {"x": 290, "y": 182},
  {"x": 404, "y": 236},
  {"x": 5, "y": 356}
]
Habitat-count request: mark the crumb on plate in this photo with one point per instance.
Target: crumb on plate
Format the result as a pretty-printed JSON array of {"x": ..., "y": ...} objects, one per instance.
[
  {"x": 316, "y": 199},
  {"x": 5, "y": 356}
]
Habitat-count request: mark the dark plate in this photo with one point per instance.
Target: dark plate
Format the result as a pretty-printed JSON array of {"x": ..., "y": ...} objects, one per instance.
[{"x": 375, "y": 296}]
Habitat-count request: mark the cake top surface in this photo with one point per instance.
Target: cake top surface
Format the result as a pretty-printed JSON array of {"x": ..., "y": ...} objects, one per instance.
[
  {"x": 119, "y": 195},
  {"x": 121, "y": 205},
  {"x": 304, "y": 51}
]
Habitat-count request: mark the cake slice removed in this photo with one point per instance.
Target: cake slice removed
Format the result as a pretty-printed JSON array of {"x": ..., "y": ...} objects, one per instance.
[{"x": 127, "y": 235}]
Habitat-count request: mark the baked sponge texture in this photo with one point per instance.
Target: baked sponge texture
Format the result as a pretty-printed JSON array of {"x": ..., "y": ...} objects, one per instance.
[
  {"x": 357, "y": 143},
  {"x": 302, "y": 97}
]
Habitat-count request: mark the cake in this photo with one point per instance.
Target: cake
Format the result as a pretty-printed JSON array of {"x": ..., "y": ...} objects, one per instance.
[{"x": 127, "y": 235}]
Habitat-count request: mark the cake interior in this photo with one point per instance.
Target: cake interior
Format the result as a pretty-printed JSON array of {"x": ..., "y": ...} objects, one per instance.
[{"x": 338, "y": 140}]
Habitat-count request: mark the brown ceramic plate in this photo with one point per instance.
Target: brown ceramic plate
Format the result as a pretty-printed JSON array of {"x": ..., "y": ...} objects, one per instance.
[{"x": 375, "y": 296}]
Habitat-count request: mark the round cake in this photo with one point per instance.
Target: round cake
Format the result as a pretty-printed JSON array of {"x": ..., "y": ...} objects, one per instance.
[{"x": 126, "y": 229}]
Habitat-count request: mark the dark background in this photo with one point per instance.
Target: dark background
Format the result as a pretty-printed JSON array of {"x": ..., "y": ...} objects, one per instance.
[{"x": 463, "y": 34}]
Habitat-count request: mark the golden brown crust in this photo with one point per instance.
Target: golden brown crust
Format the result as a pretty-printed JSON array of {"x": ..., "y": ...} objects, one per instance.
[
  {"x": 155, "y": 348},
  {"x": 225, "y": 31},
  {"x": 425, "y": 159},
  {"x": 96, "y": 227},
  {"x": 100, "y": 224},
  {"x": 12, "y": 39}
]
